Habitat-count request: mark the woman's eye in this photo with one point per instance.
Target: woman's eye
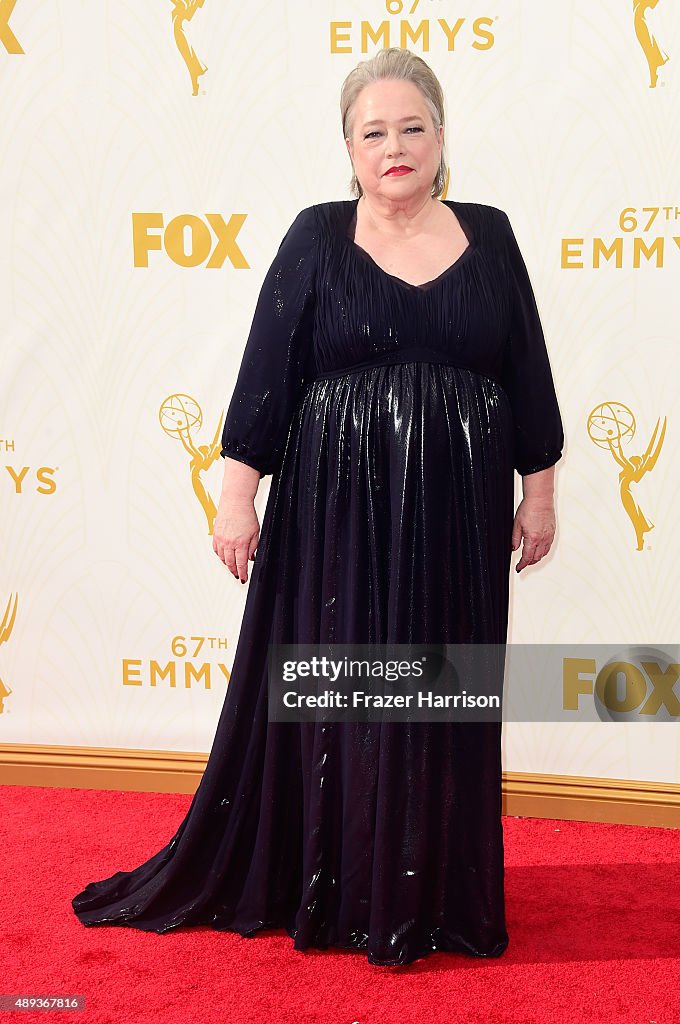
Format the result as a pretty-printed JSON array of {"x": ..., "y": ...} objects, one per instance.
[{"x": 413, "y": 128}]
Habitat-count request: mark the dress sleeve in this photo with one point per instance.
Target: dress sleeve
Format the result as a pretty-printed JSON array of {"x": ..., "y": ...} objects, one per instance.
[
  {"x": 526, "y": 374},
  {"x": 278, "y": 355}
]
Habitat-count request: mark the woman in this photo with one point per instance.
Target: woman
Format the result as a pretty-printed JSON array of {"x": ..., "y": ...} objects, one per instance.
[{"x": 394, "y": 376}]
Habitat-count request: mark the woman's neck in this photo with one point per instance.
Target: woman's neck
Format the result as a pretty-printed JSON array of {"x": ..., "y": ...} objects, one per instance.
[{"x": 396, "y": 217}]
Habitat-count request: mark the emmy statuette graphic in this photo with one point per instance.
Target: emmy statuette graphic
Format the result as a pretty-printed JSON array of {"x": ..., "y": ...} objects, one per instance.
[
  {"x": 654, "y": 53},
  {"x": 6, "y": 626},
  {"x": 183, "y": 11},
  {"x": 180, "y": 415},
  {"x": 610, "y": 425}
]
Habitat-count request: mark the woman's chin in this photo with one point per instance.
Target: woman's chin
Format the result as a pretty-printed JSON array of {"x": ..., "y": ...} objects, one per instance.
[{"x": 402, "y": 186}]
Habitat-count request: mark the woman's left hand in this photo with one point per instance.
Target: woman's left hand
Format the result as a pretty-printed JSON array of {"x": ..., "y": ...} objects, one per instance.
[{"x": 534, "y": 525}]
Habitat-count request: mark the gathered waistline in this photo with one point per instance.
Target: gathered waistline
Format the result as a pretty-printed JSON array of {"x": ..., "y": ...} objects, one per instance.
[{"x": 405, "y": 355}]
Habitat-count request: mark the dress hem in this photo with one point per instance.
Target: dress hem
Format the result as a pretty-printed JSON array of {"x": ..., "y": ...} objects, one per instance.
[{"x": 361, "y": 946}]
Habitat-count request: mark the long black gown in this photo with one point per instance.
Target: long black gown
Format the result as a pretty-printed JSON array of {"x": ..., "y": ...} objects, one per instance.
[{"x": 391, "y": 417}]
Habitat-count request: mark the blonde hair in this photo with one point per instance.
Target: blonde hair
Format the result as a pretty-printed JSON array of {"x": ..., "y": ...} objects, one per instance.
[{"x": 400, "y": 64}]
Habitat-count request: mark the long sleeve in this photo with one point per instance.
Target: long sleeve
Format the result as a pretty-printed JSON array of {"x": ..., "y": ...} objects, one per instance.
[
  {"x": 526, "y": 374},
  {"x": 278, "y": 355}
]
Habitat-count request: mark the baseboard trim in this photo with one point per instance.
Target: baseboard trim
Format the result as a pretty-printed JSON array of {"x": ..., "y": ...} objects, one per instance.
[
  {"x": 525, "y": 794},
  {"x": 577, "y": 798}
]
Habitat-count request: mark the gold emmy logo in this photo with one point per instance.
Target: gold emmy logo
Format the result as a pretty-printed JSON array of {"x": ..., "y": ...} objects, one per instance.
[
  {"x": 610, "y": 425},
  {"x": 654, "y": 53},
  {"x": 408, "y": 27},
  {"x": 6, "y": 626},
  {"x": 183, "y": 11},
  {"x": 9, "y": 40},
  {"x": 179, "y": 416}
]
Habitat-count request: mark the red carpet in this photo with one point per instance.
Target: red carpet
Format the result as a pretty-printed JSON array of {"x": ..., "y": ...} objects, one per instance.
[{"x": 593, "y": 913}]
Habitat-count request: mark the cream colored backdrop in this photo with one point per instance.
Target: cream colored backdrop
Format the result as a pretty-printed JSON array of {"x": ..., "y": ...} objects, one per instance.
[{"x": 120, "y": 623}]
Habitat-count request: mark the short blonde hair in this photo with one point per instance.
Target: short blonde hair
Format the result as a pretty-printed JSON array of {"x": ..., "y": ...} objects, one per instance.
[{"x": 400, "y": 64}]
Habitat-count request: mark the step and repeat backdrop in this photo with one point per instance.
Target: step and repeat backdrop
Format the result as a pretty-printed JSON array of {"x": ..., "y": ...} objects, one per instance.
[{"x": 153, "y": 156}]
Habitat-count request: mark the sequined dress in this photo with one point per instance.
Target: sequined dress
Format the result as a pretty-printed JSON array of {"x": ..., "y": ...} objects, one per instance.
[{"x": 392, "y": 418}]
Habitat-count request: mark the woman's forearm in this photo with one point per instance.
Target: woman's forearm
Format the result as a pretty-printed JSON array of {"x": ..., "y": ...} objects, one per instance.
[
  {"x": 240, "y": 481},
  {"x": 539, "y": 486}
]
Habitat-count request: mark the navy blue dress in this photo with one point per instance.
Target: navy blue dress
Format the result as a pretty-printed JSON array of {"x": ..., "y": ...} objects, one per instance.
[{"x": 392, "y": 418}]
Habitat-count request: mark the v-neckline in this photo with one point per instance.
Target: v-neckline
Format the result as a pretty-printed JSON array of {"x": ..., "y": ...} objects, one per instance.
[{"x": 426, "y": 285}]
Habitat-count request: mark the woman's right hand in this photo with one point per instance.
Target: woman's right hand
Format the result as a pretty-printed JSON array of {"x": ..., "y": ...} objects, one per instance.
[{"x": 236, "y": 533}]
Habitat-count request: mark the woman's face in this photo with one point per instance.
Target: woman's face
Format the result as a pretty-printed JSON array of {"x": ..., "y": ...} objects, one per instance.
[{"x": 392, "y": 127}]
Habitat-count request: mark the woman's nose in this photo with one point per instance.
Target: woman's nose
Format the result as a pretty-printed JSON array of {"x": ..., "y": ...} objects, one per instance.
[{"x": 394, "y": 144}]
